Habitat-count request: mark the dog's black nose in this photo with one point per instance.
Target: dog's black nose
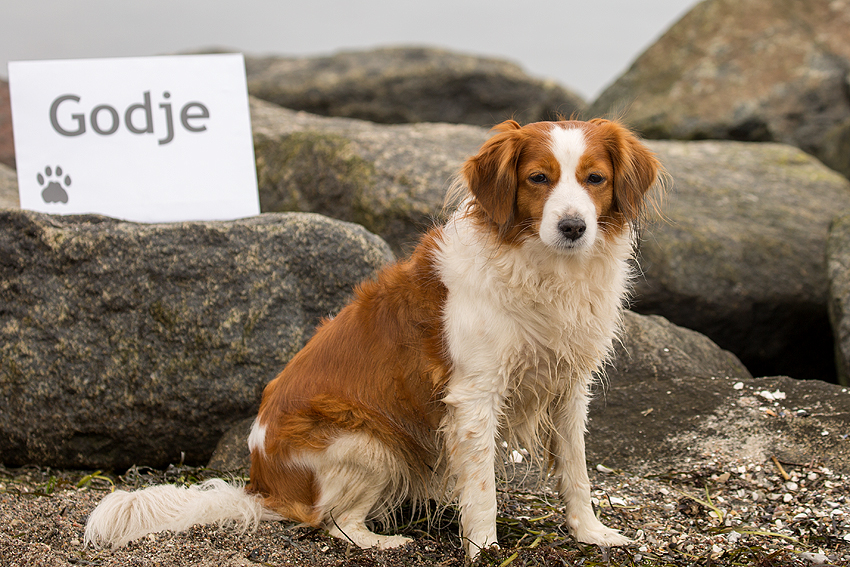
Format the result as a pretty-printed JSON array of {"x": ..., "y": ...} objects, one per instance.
[{"x": 572, "y": 227}]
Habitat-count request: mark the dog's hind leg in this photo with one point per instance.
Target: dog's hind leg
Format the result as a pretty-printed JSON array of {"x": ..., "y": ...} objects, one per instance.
[{"x": 357, "y": 477}]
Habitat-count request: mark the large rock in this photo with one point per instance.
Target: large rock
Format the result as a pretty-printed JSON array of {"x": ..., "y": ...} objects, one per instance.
[
  {"x": 838, "y": 269},
  {"x": 759, "y": 70},
  {"x": 8, "y": 188},
  {"x": 652, "y": 350},
  {"x": 722, "y": 263},
  {"x": 389, "y": 178},
  {"x": 125, "y": 343},
  {"x": 409, "y": 84},
  {"x": 740, "y": 254},
  {"x": 7, "y": 143}
]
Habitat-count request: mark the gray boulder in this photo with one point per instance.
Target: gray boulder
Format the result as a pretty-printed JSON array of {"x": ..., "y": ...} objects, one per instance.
[
  {"x": 756, "y": 70},
  {"x": 838, "y": 269},
  {"x": 8, "y": 188},
  {"x": 125, "y": 343},
  {"x": 389, "y": 178},
  {"x": 652, "y": 350},
  {"x": 722, "y": 263},
  {"x": 739, "y": 255},
  {"x": 409, "y": 84}
]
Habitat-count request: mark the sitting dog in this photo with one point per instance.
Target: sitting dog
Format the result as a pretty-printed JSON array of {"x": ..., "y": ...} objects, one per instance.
[{"x": 490, "y": 332}]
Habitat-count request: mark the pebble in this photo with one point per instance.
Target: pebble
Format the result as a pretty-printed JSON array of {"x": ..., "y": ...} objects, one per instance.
[{"x": 814, "y": 558}]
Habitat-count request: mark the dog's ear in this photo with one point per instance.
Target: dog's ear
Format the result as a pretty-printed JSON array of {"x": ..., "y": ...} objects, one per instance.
[
  {"x": 491, "y": 175},
  {"x": 636, "y": 169}
]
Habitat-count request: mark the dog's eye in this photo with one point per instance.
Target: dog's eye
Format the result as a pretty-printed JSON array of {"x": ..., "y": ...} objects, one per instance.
[
  {"x": 538, "y": 178},
  {"x": 595, "y": 179}
]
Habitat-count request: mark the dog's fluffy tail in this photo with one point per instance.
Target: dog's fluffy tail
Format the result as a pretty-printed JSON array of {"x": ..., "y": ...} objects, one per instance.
[{"x": 123, "y": 516}]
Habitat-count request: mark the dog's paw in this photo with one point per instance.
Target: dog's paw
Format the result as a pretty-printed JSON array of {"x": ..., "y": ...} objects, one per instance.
[
  {"x": 473, "y": 551},
  {"x": 590, "y": 530},
  {"x": 389, "y": 542},
  {"x": 602, "y": 536},
  {"x": 359, "y": 535}
]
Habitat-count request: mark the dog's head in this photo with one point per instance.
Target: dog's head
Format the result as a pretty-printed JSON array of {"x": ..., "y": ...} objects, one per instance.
[{"x": 568, "y": 183}]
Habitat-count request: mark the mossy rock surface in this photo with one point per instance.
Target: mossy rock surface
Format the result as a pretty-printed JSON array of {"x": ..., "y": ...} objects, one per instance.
[
  {"x": 751, "y": 70},
  {"x": 392, "y": 179},
  {"x": 124, "y": 343}
]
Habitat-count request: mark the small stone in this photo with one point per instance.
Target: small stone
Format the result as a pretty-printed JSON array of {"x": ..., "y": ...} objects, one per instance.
[{"x": 814, "y": 558}]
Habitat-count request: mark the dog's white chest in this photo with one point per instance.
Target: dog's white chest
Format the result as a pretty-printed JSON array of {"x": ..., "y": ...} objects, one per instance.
[{"x": 527, "y": 311}]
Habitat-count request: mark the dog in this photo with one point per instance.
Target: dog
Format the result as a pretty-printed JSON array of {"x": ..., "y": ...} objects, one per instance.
[{"x": 491, "y": 332}]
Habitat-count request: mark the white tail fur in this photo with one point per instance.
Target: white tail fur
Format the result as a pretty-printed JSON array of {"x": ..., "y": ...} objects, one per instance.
[{"x": 124, "y": 516}]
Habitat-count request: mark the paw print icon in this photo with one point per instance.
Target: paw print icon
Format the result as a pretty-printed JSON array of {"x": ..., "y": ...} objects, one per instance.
[{"x": 53, "y": 185}]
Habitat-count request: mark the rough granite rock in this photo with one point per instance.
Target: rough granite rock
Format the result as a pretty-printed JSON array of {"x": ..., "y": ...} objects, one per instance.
[
  {"x": 125, "y": 343},
  {"x": 652, "y": 350},
  {"x": 756, "y": 70},
  {"x": 739, "y": 255},
  {"x": 409, "y": 84},
  {"x": 838, "y": 269},
  {"x": 721, "y": 264},
  {"x": 8, "y": 188},
  {"x": 390, "y": 178}
]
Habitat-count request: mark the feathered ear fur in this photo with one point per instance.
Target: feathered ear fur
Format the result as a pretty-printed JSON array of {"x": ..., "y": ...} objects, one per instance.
[
  {"x": 636, "y": 168},
  {"x": 491, "y": 175}
]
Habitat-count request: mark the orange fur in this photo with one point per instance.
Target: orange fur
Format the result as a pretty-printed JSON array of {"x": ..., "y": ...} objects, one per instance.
[{"x": 491, "y": 329}]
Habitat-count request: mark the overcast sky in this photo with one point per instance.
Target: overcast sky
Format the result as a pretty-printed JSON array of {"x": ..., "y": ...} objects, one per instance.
[{"x": 584, "y": 45}]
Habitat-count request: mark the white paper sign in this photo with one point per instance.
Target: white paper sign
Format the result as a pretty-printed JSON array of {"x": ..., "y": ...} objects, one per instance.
[{"x": 149, "y": 139}]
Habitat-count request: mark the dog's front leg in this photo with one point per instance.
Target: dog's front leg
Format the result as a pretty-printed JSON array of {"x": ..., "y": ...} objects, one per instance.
[
  {"x": 472, "y": 420},
  {"x": 570, "y": 419}
]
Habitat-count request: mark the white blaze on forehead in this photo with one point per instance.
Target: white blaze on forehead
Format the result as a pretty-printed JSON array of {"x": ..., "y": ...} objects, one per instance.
[
  {"x": 568, "y": 145},
  {"x": 569, "y": 198}
]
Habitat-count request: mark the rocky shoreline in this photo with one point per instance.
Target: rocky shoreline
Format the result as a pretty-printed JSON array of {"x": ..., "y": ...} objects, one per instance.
[{"x": 720, "y": 432}]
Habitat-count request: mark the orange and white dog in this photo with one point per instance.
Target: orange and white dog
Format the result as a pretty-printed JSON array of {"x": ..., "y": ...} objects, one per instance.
[{"x": 490, "y": 332}]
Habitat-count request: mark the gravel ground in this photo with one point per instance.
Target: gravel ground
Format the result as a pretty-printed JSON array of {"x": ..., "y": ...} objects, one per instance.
[{"x": 710, "y": 513}]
